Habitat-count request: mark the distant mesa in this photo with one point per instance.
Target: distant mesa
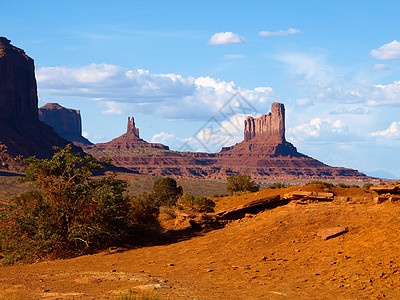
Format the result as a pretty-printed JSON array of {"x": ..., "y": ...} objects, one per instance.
[
  {"x": 65, "y": 121},
  {"x": 21, "y": 132},
  {"x": 264, "y": 154},
  {"x": 129, "y": 140}
]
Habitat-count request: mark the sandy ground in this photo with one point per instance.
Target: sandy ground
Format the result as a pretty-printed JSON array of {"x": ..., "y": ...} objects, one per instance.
[{"x": 275, "y": 254}]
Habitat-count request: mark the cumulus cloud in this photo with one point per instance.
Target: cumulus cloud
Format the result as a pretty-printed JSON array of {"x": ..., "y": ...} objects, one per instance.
[
  {"x": 392, "y": 132},
  {"x": 290, "y": 31},
  {"x": 390, "y": 51},
  {"x": 171, "y": 96},
  {"x": 318, "y": 129},
  {"x": 226, "y": 38}
]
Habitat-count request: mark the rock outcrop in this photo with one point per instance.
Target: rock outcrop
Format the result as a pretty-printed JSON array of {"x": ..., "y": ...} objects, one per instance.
[
  {"x": 264, "y": 154},
  {"x": 20, "y": 129},
  {"x": 65, "y": 121},
  {"x": 128, "y": 141},
  {"x": 267, "y": 128}
]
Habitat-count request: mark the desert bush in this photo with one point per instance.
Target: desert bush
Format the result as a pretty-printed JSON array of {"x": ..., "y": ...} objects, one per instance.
[
  {"x": 166, "y": 191},
  {"x": 167, "y": 213},
  {"x": 197, "y": 204},
  {"x": 366, "y": 186},
  {"x": 323, "y": 183},
  {"x": 134, "y": 295},
  {"x": 219, "y": 195},
  {"x": 143, "y": 215},
  {"x": 343, "y": 185},
  {"x": 276, "y": 185},
  {"x": 69, "y": 213},
  {"x": 241, "y": 183}
]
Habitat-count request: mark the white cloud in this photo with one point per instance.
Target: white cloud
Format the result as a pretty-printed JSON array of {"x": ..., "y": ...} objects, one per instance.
[
  {"x": 85, "y": 134},
  {"x": 381, "y": 67},
  {"x": 392, "y": 132},
  {"x": 318, "y": 129},
  {"x": 319, "y": 82},
  {"x": 388, "y": 51},
  {"x": 234, "y": 56},
  {"x": 124, "y": 91},
  {"x": 226, "y": 38},
  {"x": 290, "y": 31}
]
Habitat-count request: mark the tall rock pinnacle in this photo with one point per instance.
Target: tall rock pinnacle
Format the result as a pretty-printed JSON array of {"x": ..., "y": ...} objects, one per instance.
[{"x": 131, "y": 129}]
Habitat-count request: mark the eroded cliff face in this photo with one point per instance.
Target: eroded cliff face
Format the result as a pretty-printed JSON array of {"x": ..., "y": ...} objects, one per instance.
[
  {"x": 65, "y": 121},
  {"x": 269, "y": 128},
  {"x": 18, "y": 95},
  {"x": 263, "y": 137},
  {"x": 21, "y": 132},
  {"x": 264, "y": 154}
]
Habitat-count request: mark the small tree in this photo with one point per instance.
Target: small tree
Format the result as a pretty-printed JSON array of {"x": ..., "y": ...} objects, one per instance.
[
  {"x": 241, "y": 183},
  {"x": 166, "y": 191},
  {"x": 69, "y": 213}
]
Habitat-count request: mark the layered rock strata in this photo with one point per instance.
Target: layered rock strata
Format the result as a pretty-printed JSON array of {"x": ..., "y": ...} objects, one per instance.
[{"x": 264, "y": 154}]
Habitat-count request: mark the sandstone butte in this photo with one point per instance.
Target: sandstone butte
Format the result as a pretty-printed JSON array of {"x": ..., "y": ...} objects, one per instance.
[
  {"x": 21, "y": 131},
  {"x": 66, "y": 122},
  {"x": 264, "y": 154}
]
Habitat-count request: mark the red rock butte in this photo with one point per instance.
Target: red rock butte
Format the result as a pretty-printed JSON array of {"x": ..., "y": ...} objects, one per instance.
[
  {"x": 264, "y": 154},
  {"x": 21, "y": 132},
  {"x": 66, "y": 122}
]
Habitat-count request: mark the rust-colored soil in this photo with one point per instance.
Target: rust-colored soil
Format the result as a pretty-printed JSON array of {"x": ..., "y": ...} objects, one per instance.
[{"x": 275, "y": 254}]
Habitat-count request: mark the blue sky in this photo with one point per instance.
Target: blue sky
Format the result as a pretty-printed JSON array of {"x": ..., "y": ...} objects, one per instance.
[{"x": 174, "y": 65}]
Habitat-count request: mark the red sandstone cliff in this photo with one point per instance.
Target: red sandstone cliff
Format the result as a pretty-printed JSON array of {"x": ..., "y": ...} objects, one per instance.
[
  {"x": 65, "y": 121},
  {"x": 20, "y": 129}
]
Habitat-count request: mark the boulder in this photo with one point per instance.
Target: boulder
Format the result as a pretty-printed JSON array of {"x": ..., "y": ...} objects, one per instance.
[{"x": 327, "y": 233}]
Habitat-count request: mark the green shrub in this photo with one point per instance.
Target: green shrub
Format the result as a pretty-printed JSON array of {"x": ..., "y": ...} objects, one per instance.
[
  {"x": 143, "y": 214},
  {"x": 197, "y": 204},
  {"x": 323, "y": 183},
  {"x": 276, "y": 185},
  {"x": 343, "y": 185},
  {"x": 69, "y": 213},
  {"x": 366, "y": 186},
  {"x": 241, "y": 183},
  {"x": 166, "y": 191}
]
